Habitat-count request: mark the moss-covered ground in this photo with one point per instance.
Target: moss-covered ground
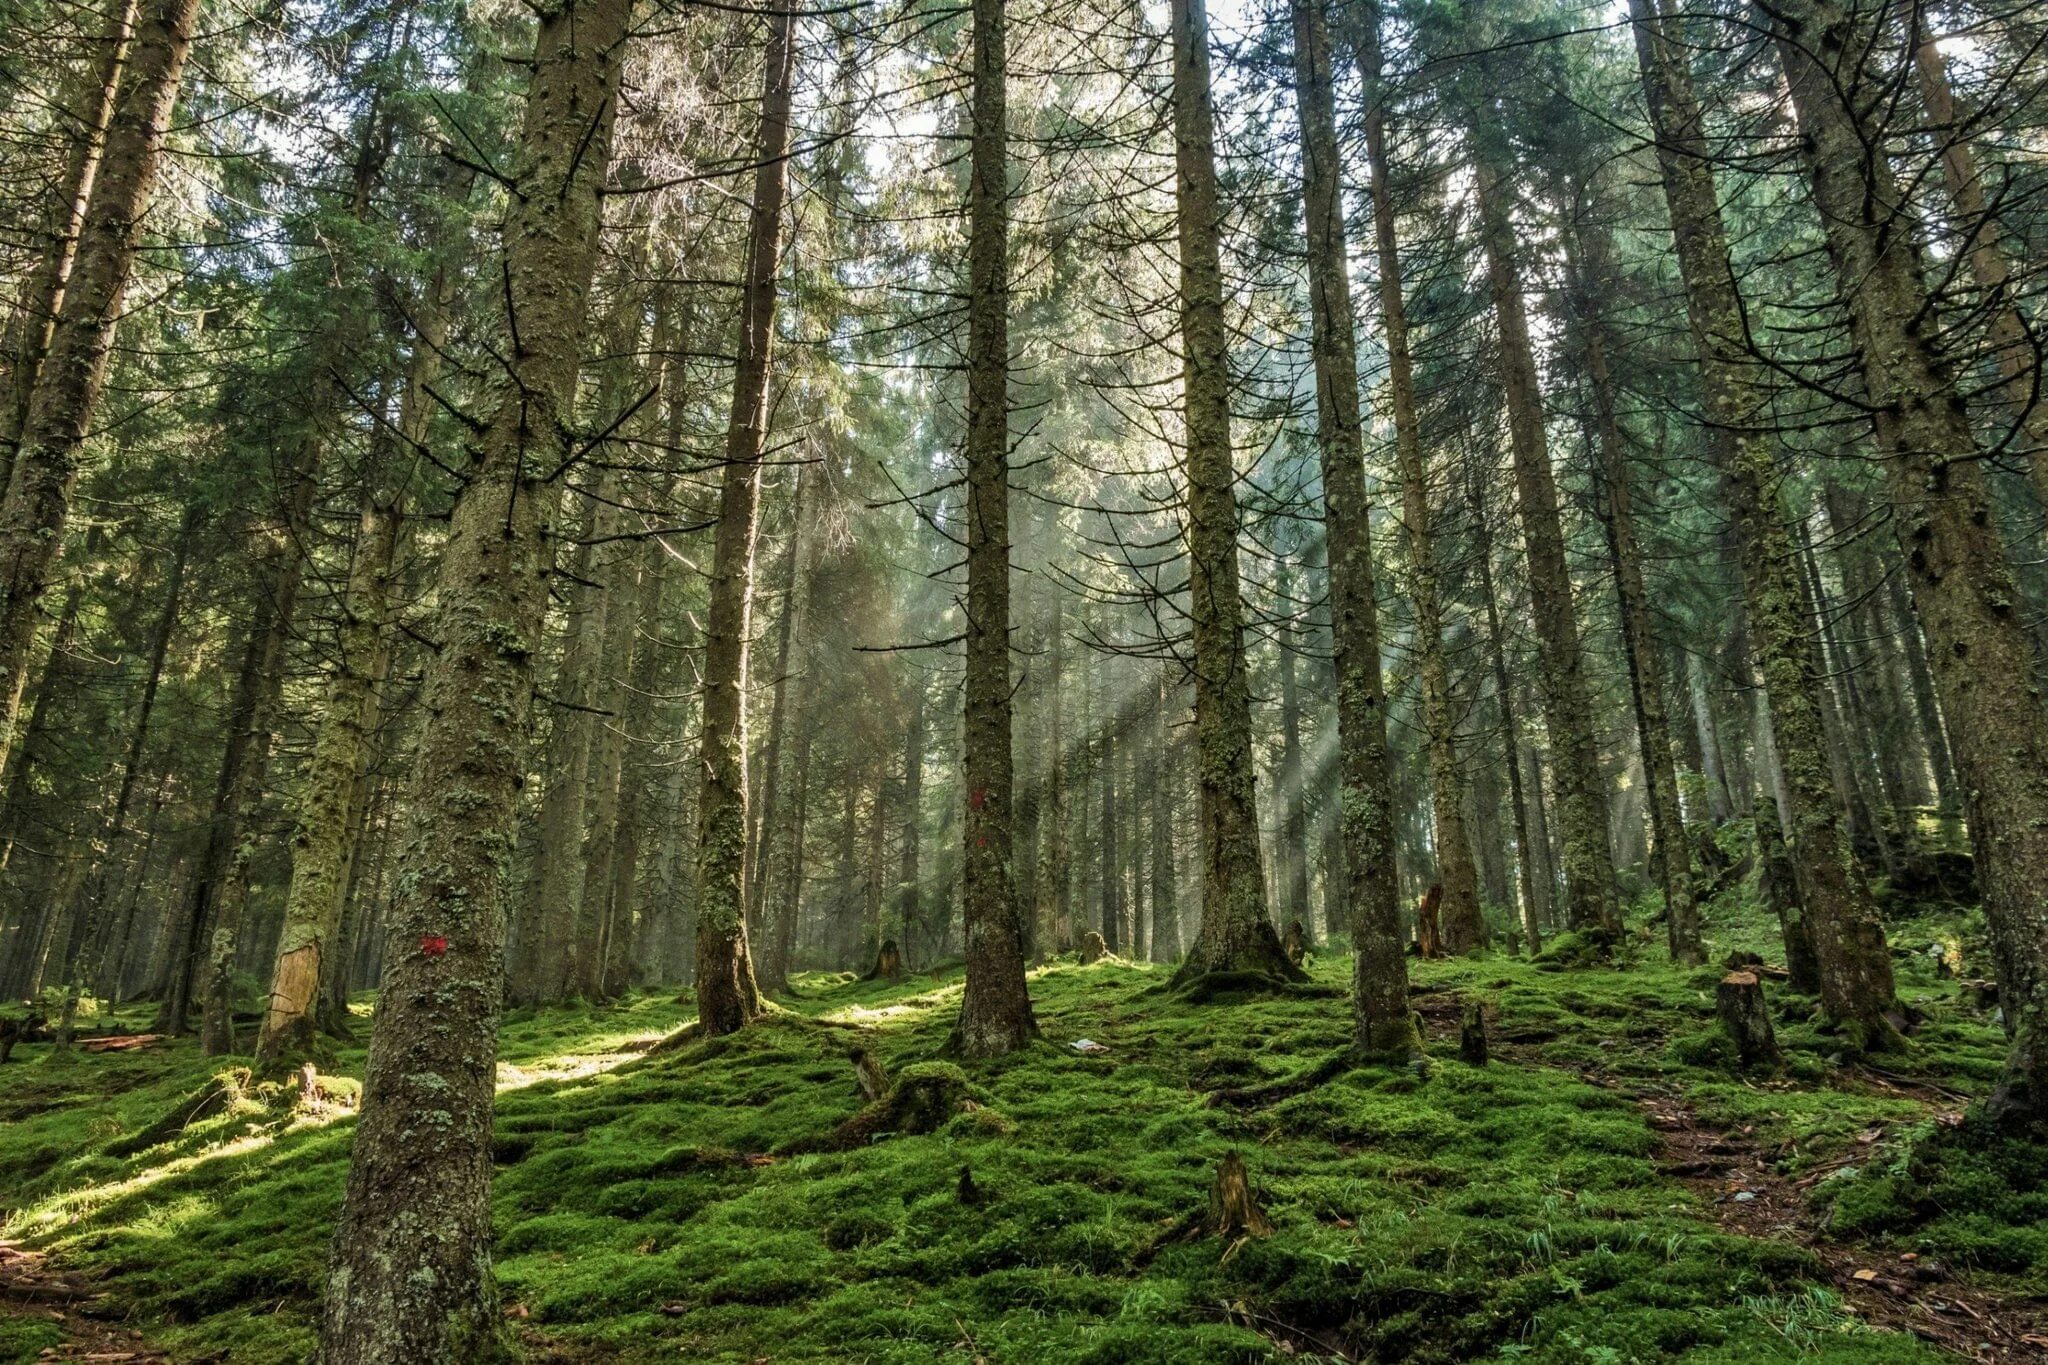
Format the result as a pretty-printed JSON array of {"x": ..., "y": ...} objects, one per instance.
[{"x": 650, "y": 1206}]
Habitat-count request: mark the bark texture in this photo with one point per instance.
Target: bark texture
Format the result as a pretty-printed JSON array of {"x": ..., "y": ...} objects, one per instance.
[
  {"x": 1235, "y": 935},
  {"x": 1382, "y": 1024},
  {"x": 727, "y": 997},
  {"x": 1957, "y": 567},
  {"x": 409, "y": 1279},
  {"x": 995, "y": 1008}
]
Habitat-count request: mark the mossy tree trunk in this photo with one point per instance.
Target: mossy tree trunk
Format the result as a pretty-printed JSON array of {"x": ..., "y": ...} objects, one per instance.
[
  {"x": 1957, "y": 566},
  {"x": 1235, "y": 934},
  {"x": 1589, "y": 265},
  {"x": 1464, "y": 928},
  {"x": 410, "y": 1276},
  {"x": 73, "y": 370},
  {"x": 1382, "y": 1025},
  {"x": 1053, "y": 925},
  {"x": 727, "y": 997},
  {"x": 1531, "y": 868},
  {"x": 995, "y": 1009},
  {"x": 87, "y": 108},
  {"x": 330, "y": 817},
  {"x": 1591, "y": 898},
  {"x": 1854, "y": 963}
]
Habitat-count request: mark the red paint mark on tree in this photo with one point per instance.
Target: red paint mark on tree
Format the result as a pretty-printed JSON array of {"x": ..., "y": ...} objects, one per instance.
[
  {"x": 978, "y": 797},
  {"x": 433, "y": 945}
]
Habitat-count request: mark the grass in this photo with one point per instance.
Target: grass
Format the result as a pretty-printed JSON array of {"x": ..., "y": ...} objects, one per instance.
[{"x": 645, "y": 1208}]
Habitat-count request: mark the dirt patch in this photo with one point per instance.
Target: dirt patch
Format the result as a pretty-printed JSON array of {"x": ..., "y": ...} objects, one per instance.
[
  {"x": 29, "y": 1288},
  {"x": 1734, "y": 1177},
  {"x": 1737, "y": 1180}
]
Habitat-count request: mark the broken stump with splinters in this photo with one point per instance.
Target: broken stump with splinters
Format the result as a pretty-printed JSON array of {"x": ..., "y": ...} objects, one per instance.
[
  {"x": 1295, "y": 944},
  {"x": 1739, "y": 1002},
  {"x": 1093, "y": 949}
]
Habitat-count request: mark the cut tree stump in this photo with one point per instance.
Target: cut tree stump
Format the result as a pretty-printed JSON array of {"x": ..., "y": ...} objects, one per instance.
[
  {"x": 868, "y": 1074},
  {"x": 1093, "y": 949},
  {"x": 1234, "y": 1211},
  {"x": 1740, "y": 1004},
  {"x": 1472, "y": 1035}
]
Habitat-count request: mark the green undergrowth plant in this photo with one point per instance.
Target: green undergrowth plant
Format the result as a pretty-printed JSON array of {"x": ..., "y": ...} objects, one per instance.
[{"x": 719, "y": 1200}]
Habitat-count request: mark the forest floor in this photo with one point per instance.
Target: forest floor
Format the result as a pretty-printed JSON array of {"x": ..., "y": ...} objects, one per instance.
[{"x": 1608, "y": 1189}]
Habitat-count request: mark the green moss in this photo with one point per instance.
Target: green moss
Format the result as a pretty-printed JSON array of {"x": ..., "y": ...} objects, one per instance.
[{"x": 647, "y": 1206}]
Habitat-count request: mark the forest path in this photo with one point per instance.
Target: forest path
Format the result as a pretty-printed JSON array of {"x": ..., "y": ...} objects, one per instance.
[
  {"x": 1741, "y": 1189},
  {"x": 34, "y": 1296}
]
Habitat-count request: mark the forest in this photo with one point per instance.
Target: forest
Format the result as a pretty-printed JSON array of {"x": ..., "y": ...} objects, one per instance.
[{"x": 1023, "y": 680}]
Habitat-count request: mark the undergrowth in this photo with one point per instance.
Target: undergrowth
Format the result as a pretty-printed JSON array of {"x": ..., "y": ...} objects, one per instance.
[{"x": 686, "y": 1203}]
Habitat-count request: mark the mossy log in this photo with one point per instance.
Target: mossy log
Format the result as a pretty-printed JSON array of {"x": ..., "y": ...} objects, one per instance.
[
  {"x": 227, "y": 1088},
  {"x": 921, "y": 1099},
  {"x": 1739, "y": 1002}
]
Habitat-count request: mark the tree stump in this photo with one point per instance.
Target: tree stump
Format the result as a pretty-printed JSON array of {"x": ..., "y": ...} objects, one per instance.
[
  {"x": 1429, "y": 936},
  {"x": 1740, "y": 1004},
  {"x": 1093, "y": 949},
  {"x": 19, "y": 1030},
  {"x": 868, "y": 1074},
  {"x": 1472, "y": 1035},
  {"x": 1234, "y": 1211},
  {"x": 1295, "y": 944},
  {"x": 888, "y": 962}
]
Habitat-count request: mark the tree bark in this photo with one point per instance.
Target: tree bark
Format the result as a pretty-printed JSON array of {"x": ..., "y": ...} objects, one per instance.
[
  {"x": 1856, "y": 977},
  {"x": 88, "y": 110},
  {"x": 1591, "y": 900},
  {"x": 727, "y": 997},
  {"x": 995, "y": 1009},
  {"x": 1960, "y": 575},
  {"x": 1382, "y": 1026},
  {"x": 1589, "y": 268},
  {"x": 73, "y": 372},
  {"x": 1235, "y": 933},
  {"x": 1464, "y": 927},
  {"x": 410, "y": 1276}
]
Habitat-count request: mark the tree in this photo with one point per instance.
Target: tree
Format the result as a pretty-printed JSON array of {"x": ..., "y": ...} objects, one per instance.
[{"x": 409, "y": 1278}]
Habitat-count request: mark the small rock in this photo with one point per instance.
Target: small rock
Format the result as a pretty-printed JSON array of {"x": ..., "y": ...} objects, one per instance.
[{"x": 1744, "y": 1196}]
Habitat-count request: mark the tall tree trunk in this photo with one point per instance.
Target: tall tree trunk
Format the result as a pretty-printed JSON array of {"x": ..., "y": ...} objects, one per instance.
[
  {"x": 1463, "y": 926},
  {"x": 995, "y": 1010},
  {"x": 330, "y": 816},
  {"x": 1856, "y": 976},
  {"x": 1590, "y": 268},
  {"x": 1293, "y": 798},
  {"x": 1235, "y": 934},
  {"x": 1720, "y": 804},
  {"x": 410, "y": 1275},
  {"x": 1051, "y": 915},
  {"x": 727, "y": 997},
  {"x": 1591, "y": 900},
  {"x": 909, "y": 890},
  {"x": 1165, "y": 902},
  {"x": 795, "y": 574},
  {"x": 1365, "y": 877},
  {"x": 73, "y": 372},
  {"x": 1531, "y": 841},
  {"x": 2014, "y": 349},
  {"x": 88, "y": 915},
  {"x": 333, "y": 808},
  {"x": 88, "y": 109},
  {"x": 1961, "y": 578}
]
